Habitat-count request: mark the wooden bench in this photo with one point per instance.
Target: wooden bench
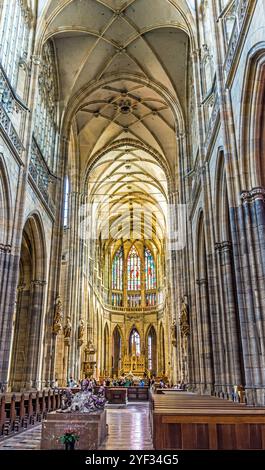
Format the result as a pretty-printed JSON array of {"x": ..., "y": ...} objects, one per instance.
[
  {"x": 188, "y": 421},
  {"x": 18, "y": 411}
]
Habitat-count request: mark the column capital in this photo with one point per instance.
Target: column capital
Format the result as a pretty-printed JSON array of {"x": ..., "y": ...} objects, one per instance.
[
  {"x": 195, "y": 54},
  {"x": 36, "y": 59},
  {"x": 253, "y": 194},
  {"x": 21, "y": 287},
  {"x": 201, "y": 282},
  {"x": 38, "y": 282},
  {"x": 223, "y": 246},
  {"x": 5, "y": 248}
]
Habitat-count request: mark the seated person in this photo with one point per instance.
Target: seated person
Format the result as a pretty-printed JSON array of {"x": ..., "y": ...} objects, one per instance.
[{"x": 71, "y": 383}]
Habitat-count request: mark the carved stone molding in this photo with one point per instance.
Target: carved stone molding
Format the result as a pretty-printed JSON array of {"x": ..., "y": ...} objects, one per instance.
[
  {"x": 5, "y": 248},
  {"x": 223, "y": 246},
  {"x": 38, "y": 282},
  {"x": 36, "y": 59},
  {"x": 253, "y": 195},
  {"x": 21, "y": 287},
  {"x": 27, "y": 12},
  {"x": 201, "y": 282}
]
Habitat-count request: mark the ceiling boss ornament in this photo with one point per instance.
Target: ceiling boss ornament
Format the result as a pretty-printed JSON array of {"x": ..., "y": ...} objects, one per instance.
[{"x": 125, "y": 106}]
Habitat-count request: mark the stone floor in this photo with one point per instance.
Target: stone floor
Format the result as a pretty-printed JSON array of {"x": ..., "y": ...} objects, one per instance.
[
  {"x": 26, "y": 440},
  {"x": 128, "y": 429}
]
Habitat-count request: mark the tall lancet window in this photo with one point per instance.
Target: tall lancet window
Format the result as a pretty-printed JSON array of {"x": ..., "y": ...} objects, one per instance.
[
  {"x": 117, "y": 270},
  {"x": 135, "y": 342},
  {"x": 134, "y": 270},
  {"x": 150, "y": 272}
]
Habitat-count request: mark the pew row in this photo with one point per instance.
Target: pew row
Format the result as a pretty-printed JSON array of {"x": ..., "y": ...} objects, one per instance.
[
  {"x": 18, "y": 411},
  {"x": 192, "y": 422}
]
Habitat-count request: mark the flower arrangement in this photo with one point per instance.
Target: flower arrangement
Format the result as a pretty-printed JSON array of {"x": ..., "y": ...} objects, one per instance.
[{"x": 69, "y": 438}]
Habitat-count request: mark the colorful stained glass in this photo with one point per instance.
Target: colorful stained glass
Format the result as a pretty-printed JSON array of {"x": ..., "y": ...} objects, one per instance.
[
  {"x": 135, "y": 347},
  {"x": 134, "y": 270},
  {"x": 150, "y": 271},
  {"x": 117, "y": 270}
]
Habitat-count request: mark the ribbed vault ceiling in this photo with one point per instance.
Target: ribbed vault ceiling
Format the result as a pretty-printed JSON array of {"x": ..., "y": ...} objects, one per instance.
[{"x": 123, "y": 70}]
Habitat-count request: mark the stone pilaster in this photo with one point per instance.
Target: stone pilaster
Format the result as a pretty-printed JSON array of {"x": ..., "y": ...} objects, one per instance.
[
  {"x": 35, "y": 343},
  {"x": 206, "y": 364},
  {"x": 231, "y": 366}
]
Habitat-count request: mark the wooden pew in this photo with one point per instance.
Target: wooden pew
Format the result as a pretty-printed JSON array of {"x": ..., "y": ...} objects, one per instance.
[
  {"x": 18, "y": 411},
  {"x": 187, "y": 421}
]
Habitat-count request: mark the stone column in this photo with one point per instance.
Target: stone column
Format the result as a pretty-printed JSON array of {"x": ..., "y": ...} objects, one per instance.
[
  {"x": 10, "y": 264},
  {"x": 248, "y": 228},
  {"x": 205, "y": 338},
  {"x": 35, "y": 346},
  {"x": 229, "y": 328}
]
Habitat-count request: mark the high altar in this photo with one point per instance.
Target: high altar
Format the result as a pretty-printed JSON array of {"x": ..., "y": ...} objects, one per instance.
[{"x": 134, "y": 363}]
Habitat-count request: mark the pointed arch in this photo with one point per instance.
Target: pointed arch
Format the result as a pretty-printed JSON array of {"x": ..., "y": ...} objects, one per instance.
[
  {"x": 116, "y": 350},
  {"x": 134, "y": 342},
  {"x": 5, "y": 203},
  {"x": 252, "y": 125},
  {"x": 26, "y": 359},
  {"x": 150, "y": 270},
  {"x": 134, "y": 270},
  {"x": 162, "y": 349},
  {"x": 117, "y": 269},
  {"x": 106, "y": 350},
  {"x": 151, "y": 348}
]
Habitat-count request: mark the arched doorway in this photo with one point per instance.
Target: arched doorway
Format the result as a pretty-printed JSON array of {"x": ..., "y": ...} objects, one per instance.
[
  {"x": 152, "y": 351},
  {"x": 116, "y": 351},
  {"x": 26, "y": 356}
]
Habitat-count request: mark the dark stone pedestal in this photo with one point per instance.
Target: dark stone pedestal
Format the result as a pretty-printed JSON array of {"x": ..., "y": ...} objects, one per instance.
[{"x": 91, "y": 427}]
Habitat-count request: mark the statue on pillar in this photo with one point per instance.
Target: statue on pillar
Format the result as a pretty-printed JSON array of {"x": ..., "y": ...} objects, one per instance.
[
  {"x": 81, "y": 332},
  {"x": 58, "y": 316},
  {"x": 81, "y": 329},
  {"x": 184, "y": 317},
  {"x": 67, "y": 328}
]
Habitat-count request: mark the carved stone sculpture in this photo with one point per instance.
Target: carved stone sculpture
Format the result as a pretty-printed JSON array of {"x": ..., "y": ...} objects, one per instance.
[
  {"x": 184, "y": 317},
  {"x": 81, "y": 329},
  {"x": 67, "y": 328},
  {"x": 58, "y": 316},
  {"x": 174, "y": 333}
]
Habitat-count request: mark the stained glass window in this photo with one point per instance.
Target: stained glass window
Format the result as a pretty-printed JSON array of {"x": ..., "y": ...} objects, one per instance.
[
  {"x": 117, "y": 270},
  {"x": 134, "y": 270},
  {"x": 150, "y": 272},
  {"x": 150, "y": 352},
  {"x": 66, "y": 202},
  {"x": 135, "y": 342}
]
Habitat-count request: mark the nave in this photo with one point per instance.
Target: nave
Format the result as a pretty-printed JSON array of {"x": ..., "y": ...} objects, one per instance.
[{"x": 132, "y": 218}]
